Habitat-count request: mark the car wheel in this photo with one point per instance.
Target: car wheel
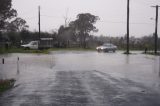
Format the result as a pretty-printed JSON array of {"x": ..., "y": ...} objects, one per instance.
[{"x": 98, "y": 50}]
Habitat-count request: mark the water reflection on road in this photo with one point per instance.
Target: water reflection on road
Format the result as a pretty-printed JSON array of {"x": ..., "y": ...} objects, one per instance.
[
  {"x": 137, "y": 67},
  {"x": 53, "y": 78}
]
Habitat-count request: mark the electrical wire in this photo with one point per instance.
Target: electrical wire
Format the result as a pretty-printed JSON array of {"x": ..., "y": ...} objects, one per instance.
[
  {"x": 27, "y": 12},
  {"x": 121, "y": 22},
  {"x": 49, "y": 16},
  {"x": 30, "y": 18}
]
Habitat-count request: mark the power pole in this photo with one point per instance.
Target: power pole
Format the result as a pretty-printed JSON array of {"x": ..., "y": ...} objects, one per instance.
[
  {"x": 127, "y": 27},
  {"x": 39, "y": 23},
  {"x": 156, "y": 27}
]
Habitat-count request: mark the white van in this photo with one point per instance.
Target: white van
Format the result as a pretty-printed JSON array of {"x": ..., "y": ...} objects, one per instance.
[
  {"x": 31, "y": 45},
  {"x": 44, "y": 43}
]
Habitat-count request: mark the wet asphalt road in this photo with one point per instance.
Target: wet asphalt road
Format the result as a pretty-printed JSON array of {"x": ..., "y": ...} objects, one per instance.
[{"x": 82, "y": 79}]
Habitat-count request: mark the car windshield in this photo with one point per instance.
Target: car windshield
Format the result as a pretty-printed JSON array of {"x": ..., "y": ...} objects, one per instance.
[
  {"x": 33, "y": 43},
  {"x": 108, "y": 44}
]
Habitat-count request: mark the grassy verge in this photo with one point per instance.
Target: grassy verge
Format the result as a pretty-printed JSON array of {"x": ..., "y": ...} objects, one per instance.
[
  {"x": 72, "y": 49},
  {"x": 45, "y": 51},
  {"x": 20, "y": 50},
  {"x": 6, "y": 84},
  {"x": 152, "y": 53}
]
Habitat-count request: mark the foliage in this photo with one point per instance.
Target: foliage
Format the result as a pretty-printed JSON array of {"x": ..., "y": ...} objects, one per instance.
[
  {"x": 6, "y": 13},
  {"x": 68, "y": 39},
  {"x": 84, "y": 24},
  {"x": 18, "y": 24},
  {"x": 24, "y": 36},
  {"x": 65, "y": 36},
  {"x": 21, "y": 50},
  {"x": 8, "y": 20},
  {"x": 6, "y": 84},
  {"x": 152, "y": 53},
  {"x": 77, "y": 34}
]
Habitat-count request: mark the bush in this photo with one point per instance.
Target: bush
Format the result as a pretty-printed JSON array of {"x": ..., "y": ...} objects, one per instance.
[{"x": 6, "y": 84}]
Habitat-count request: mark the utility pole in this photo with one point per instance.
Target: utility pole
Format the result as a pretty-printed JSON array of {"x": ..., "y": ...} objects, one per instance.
[
  {"x": 127, "y": 27},
  {"x": 39, "y": 22},
  {"x": 156, "y": 27}
]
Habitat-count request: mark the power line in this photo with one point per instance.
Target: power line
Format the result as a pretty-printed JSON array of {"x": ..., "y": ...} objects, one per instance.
[
  {"x": 122, "y": 22},
  {"x": 27, "y": 12},
  {"x": 144, "y": 2},
  {"x": 49, "y": 16},
  {"x": 30, "y": 18},
  {"x": 141, "y": 3}
]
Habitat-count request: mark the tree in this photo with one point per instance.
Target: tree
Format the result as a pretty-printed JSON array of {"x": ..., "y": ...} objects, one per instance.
[
  {"x": 6, "y": 12},
  {"x": 84, "y": 24},
  {"x": 18, "y": 24},
  {"x": 64, "y": 36}
]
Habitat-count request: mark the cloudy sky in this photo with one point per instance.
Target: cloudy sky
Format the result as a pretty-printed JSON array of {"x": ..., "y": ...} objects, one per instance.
[{"x": 112, "y": 14}]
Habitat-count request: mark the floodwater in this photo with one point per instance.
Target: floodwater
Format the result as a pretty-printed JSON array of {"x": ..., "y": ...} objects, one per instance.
[{"x": 78, "y": 78}]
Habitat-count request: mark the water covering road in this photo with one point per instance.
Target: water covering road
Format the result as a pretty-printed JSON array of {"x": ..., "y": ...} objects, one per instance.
[{"x": 77, "y": 78}]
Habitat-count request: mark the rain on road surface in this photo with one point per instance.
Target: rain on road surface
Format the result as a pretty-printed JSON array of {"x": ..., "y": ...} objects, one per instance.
[{"x": 77, "y": 78}]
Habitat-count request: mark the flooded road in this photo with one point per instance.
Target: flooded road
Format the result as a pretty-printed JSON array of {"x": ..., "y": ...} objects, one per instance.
[{"x": 77, "y": 78}]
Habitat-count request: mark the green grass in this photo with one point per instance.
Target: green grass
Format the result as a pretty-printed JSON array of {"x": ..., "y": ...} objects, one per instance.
[
  {"x": 6, "y": 84},
  {"x": 72, "y": 49},
  {"x": 21, "y": 50},
  {"x": 152, "y": 53},
  {"x": 44, "y": 51}
]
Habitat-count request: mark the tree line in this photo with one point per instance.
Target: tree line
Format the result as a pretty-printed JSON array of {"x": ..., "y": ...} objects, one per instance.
[{"x": 66, "y": 38}]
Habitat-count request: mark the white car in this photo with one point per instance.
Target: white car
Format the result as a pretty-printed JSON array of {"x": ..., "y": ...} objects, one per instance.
[
  {"x": 31, "y": 45},
  {"x": 106, "y": 48}
]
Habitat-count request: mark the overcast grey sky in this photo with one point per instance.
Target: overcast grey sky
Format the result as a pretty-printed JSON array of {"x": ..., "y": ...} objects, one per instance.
[{"x": 112, "y": 14}]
